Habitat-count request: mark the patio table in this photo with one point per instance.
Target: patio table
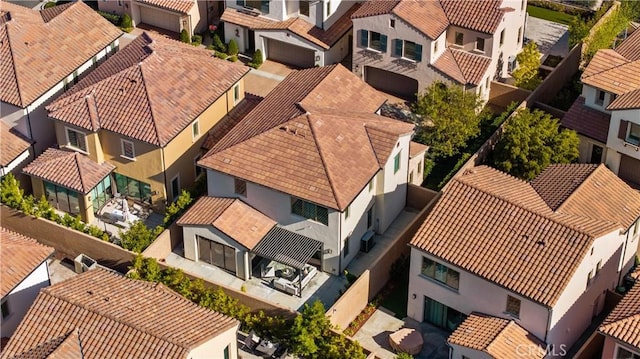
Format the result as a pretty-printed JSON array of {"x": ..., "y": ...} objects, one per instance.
[{"x": 267, "y": 347}]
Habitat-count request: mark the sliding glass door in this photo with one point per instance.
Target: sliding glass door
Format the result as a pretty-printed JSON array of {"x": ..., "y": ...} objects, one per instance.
[
  {"x": 440, "y": 315},
  {"x": 217, "y": 254}
]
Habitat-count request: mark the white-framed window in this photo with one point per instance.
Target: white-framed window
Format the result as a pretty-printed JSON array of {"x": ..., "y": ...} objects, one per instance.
[
  {"x": 600, "y": 95},
  {"x": 629, "y": 132},
  {"x": 480, "y": 44},
  {"x": 373, "y": 40},
  {"x": 310, "y": 210},
  {"x": 76, "y": 139},
  {"x": 407, "y": 50},
  {"x": 195, "y": 129},
  {"x": 304, "y": 7},
  {"x": 236, "y": 93},
  {"x": 175, "y": 188},
  {"x": 623, "y": 353},
  {"x": 128, "y": 149},
  {"x": 513, "y": 306},
  {"x": 459, "y": 38},
  {"x": 502, "y": 37}
]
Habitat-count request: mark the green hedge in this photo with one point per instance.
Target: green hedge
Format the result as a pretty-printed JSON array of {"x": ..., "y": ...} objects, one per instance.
[{"x": 113, "y": 18}]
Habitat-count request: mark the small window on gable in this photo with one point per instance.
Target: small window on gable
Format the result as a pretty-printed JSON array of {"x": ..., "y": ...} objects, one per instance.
[
  {"x": 513, "y": 306},
  {"x": 371, "y": 185},
  {"x": 480, "y": 44},
  {"x": 195, "y": 129},
  {"x": 128, "y": 150},
  {"x": 600, "y": 97},
  {"x": 435, "y": 47},
  {"x": 598, "y": 267},
  {"x": 347, "y": 212},
  {"x": 240, "y": 187},
  {"x": 236, "y": 93},
  {"x": 502, "y": 37},
  {"x": 392, "y": 23},
  {"x": 459, "y": 40},
  {"x": 396, "y": 163}
]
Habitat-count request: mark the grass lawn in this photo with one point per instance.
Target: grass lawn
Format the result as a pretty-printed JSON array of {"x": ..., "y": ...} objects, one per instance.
[
  {"x": 396, "y": 301},
  {"x": 551, "y": 15}
]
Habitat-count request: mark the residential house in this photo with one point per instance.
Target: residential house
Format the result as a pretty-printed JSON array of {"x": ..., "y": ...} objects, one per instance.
[
  {"x": 301, "y": 33},
  {"x": 541, "y": 254},
  {"x": 170, "y": 15},
  {"x": 15, "y": 152},
  {"x": 607, "y": 114},
  {"x": 403, "y": 46},
  {"x": 43, "y": 53},
  {"x": 621, "y": 328},
  {"x": 314, "y": 158},
  {"x": 417, "y": 151},
  {"x": 24, "y": 271},
  {"x": 101, "y": 314},
  {"x": 143, "y": 113}
]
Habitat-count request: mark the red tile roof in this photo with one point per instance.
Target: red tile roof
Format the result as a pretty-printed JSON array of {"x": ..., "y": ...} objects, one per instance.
[
  {"x": 294, "y": 141},
  {"x": 500, "y": 338},
  {"x": 40, "y": 48},
  {"x": 150, "y": 91},
  {"x": 12, "y": 144},
  {"x": 20, "y": 255},
  {"x": 623, "y": 323},
  {"x": 181, "y": 6},
  {"x": 556, "y": 183},
  {"x": 630, "y": 47},
  {"x": 416, "y": 148},
  {"x": 463, "y": 67},
  {"x": 486, "y": 211},
  {"x": 69, "y": 169},
  {"x": 483, "y": 16},
  {"x": 115, "y": 317},
  {"x": 427, "y": 17},
  {"x": 231, "y": 216},
  {"x": 587, "y": 121}
]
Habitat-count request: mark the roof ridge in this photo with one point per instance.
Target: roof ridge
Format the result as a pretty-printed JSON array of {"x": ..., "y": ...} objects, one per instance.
[
  {"x": 146, "y": 93},
  {"x": 631, "y": 317},
  {"x": 80, "y": 173},
  {"x": 366, "y": 129},
  {"x": 612, "y": 67},
  {"x": 13, "y": 64},
  {"x": 322, "y": 159},
  {"x": 575, "y": 190}
]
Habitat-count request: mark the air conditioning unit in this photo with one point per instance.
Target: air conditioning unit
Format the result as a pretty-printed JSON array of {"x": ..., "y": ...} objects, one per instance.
[
  {"x": 512, "y": 64},
  {"x": 367, "y": 242},
  {"x": 84, "y": 263}
]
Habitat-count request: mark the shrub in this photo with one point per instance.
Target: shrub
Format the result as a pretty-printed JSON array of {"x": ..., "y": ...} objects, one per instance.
[
  {"x": 112, "y": 18},
  {"x": 10, "y": 192},
  {"x": 210, "y": 47},
  {"x": 233, "y": 58},
  {"x": 221, "y": 55},
  {"x": 196, "y": 40},
  {"x": 138, "y": 237},
  {"x": 218, "y": 45},
  {"x": 232, "y": 47},
  {"x": 49, "y": 4},
  {"x": 404, "y": 356},
  {"x": 256, "y": 60},
  {"x": 126, "y": 21},
  {"x": 177, "y": 208},
  {"x": 184, "y": 36}
]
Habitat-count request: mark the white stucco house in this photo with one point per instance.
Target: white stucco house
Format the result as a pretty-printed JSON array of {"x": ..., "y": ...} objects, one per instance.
[
  {"x": 24, "y": 271},
  {"x": 541, "y": 254},
  {"x": 314, "y": 166},
  {"x": 300, "y": 33},
  {"x": 43, "y": 53},
  {"x": 607, "y": 114},
  {"x": 403, "y": 46}
]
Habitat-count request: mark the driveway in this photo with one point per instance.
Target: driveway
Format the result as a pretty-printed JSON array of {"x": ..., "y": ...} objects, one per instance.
[
  {"x": 551, "y": 37},
  {"x": 260, "y": 82}
]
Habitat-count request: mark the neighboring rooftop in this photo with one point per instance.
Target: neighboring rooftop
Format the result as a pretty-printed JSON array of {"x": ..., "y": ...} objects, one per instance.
[
  {"x": 623, "y": 323},
  {"x": 230, "y": 120},
  {"x": 462, "y": 66},
  {"x": 20, "y": 255},
  {"x": 488, "y": 212},
  {"x": 304, "y": 127},
  {"x": 181, "y": 6},
  {"x": 587, "y": 121},
  {"x": 150, "y": 91},
  {"x": 497, "y": 337},
  {"x": 416, "y": 149},
  {"x": 12, "y": 144},
  {"x": 102, "y": 314},
  {"x": 38, "y": 49}
]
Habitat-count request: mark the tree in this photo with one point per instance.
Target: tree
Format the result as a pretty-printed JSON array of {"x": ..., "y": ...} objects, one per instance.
[
  {"x": 256, "y": 60},
  {"x": 218, "y": 45},
  {"x": 138, "y": 236},
  {"x": 450, "y": 116},
  {"x": 126, "y": 21},
  {"x": 531, "y": 141},
  {"x": 233, "y": 47},
  {"x": 404, "y": 356},
  {"x": 526, "y": 75},
  {"x": 184, "y": 36}
]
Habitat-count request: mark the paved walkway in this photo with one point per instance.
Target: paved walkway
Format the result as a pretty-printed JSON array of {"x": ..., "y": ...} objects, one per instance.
[
  {"x": 551, "y": 37},
  {"x": 260, "y": 82}
]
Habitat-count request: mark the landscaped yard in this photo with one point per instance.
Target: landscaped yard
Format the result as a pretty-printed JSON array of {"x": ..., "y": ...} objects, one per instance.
[
  {"x": 551, "y": 15},
  {"x": 396, "y": 300}
]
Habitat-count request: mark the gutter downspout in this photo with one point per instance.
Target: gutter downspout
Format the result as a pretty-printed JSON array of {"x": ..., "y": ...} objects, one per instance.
[
  {"x": 164, "y": 173},
  {"x": 623, "y": 255}
]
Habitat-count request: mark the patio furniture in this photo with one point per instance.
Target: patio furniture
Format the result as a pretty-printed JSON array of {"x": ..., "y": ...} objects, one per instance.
[
  {"x": 285, "y": 286},
  {"x": 266, "y": 347},
  {"x": 406, "y": 340},
  {"x": 251, "y": 341}
]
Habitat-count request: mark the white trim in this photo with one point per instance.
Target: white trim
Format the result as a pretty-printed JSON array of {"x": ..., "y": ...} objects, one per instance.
[
  {"x": 13, "y": 164},
  {"x": 70, "y": 146},
  {"x": 236, "y": 87},
  {"x": 123, "y": 152}
]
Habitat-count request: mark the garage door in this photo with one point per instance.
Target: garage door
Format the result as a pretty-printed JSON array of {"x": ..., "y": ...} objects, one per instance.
[
  {"x": 159, "y": 18},
  {"x": 391, "y": 82},
  {"x": 290, "y": 54},
  {"x": 629, "y": 169}
]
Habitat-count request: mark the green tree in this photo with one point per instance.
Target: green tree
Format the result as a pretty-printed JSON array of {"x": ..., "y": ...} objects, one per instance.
[
  {"x": 184, "y": 36},
  {"x": 256, "y": 60},
  {"x": 233, "y": 47},
  {"x": 126, "y": 21},
  {"x": 218, "y": 45},
  {"x": 308, "y": 329},
  {"x": 404, "y": 356},
  {"x": 175, "y": 209},
  {"x": 11, "y": 193},
  {"x": 138, "y": 236},
  {"x": 531, "y": 141},
  {"x": 526, "y": 75},
  {"x": 450, "y": 116}
]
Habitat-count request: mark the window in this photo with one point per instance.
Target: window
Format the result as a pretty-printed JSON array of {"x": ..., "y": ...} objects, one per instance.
[
  {"x": 459, "y": 40},
  {"x": 480, "y": 44},
  {"x": 486, "y": 83},
  {"x": 370, "y": 218},
  {"x": 502, "y": 37},
  {"x": 198, "y": 170},
  {"x": 5, "y": 309},
  {"x": 218, "y": 254},
  {"x": 304, "y": 7},
  {"x": 598, "y": 267},
  {"x": 420, "y": 165},
  {"x": 440, "y": 273},
  {"x": 133, "y": 188},
  {"x": 226, "y": 353},
  {"x": 392, "y": 23},
  {"x": 345, "y": 253},
  {"x": 76, "y": 139},
  {"x": 236, "y": 93},
  {"x": 263, "y": 5},
  {"x": 61, "y": 198},
  {"x": 175, "y": 188},
  {"x": 310, "y": 210},
  {"x": 600, "y": 97},
  {"x": 522, "y": 4},
  {"x": 519, "y": 34},
  {"x": 435, "y": 47},
  {"x": 101, "y": 193},
  {"x": 240, "y": 187},
  {"x": 328, "y": 8},
  {"x": 373, "y": 40},
  {"x": 411, "y": 177},
  {"x": 127, "y": 149},
  {"x": 625, "y": 354},
  {"x": 596, "y": 154},
  {"x": 408, "y": 50},
  {"x": 513, "y": 306},
  {"x": 589, "y": 278},
  {"x": 347, "y": 212},
  {"x": 396, "y": 163},
  {"x": 634, "y": 134},
  {"x": 195, "y": 127}
]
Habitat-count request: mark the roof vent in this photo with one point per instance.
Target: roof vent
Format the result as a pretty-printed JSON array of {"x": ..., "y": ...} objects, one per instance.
[
  {"x": 313, "y": 188},
  {"x": 90, "y": 292},
  {"x": 106, "y": 299},
  {"x": 541, "y": 242},
  {"x": 226, "y": 160}
]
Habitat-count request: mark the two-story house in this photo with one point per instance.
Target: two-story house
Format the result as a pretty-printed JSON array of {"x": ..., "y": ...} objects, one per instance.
[
  {"x": 621, "y": 328},
  {"x": 541, "y": 254},
  {"x": 42, "y": 54},
  {"x": 143, "y": 114},
  {"x": 301, "y": 33},
  {"x": 24, "y": 272},
  {"x": 607, "y": 114},
  {"x": 403, "y": 46},
  {"x": 101, "y": 314},
  {"x": 323, "y": 170},
  {"x": 15, "y": 152}
]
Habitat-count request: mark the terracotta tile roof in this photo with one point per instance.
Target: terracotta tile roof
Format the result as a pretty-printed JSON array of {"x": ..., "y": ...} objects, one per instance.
[
  {"x": 39, "y": 49},
  {"x": 626, "y": 101},
  {"x": 623, "y": 323},
  {"x": 486, "y": 211},
  {"x": 69, "y": 169},
  {"x": 463, "y": 67},
  {"x": 115, "y": 317},
  {"x": 150, "y": 91},
  {"x": 427, "y": 17},
  {"x": 374, "y": 8},
  {"x": 630, "y": 47},
  {"x": 557, "y": 182},
  {"x": 20, "y": 255},
  {"x": 70, "y": 348},
  {"x": 12, "y": 144},
  {"x": 232, "y": 217},
  {"x": 181, "y": 6},
  {"x": 416, "y": 148},
  {"x": 500, "y": 338},
  {"x": 483, "y": 16},
  {"x": 587, "y": 121},
  {"x": 303, "y": 128},
  {"x": 230, "y": 120},
  {"x": 297, "y": 25}
]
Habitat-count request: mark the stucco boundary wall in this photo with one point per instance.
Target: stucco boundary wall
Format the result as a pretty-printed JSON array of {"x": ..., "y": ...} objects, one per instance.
[
  {"x": 66, "y": 241},
  {"x": 372, "y": 280},
  {"x": 164, "y": 244}
]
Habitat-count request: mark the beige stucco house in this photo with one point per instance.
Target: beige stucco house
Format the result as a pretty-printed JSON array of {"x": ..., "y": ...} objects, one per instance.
[{"x": 404, "y": 46}]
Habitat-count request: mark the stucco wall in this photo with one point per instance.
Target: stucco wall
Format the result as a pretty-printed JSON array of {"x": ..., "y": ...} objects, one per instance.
[
  {"x": 112, "y": 6},
  {"x": 460, "y": 352},
  {"x": 214, "y": 348},
  {"x": 349, "y": 305},
  {"x": 355, "y": 226},
  {"x": 22, "y": 296},
  {"x": 392, "y": 199},
  {"x": 586, "y": 146},
  {"x": 416, "y": 166},
  {"x": 213, "y": 234},
  {"x": 617, "y": 144}
]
